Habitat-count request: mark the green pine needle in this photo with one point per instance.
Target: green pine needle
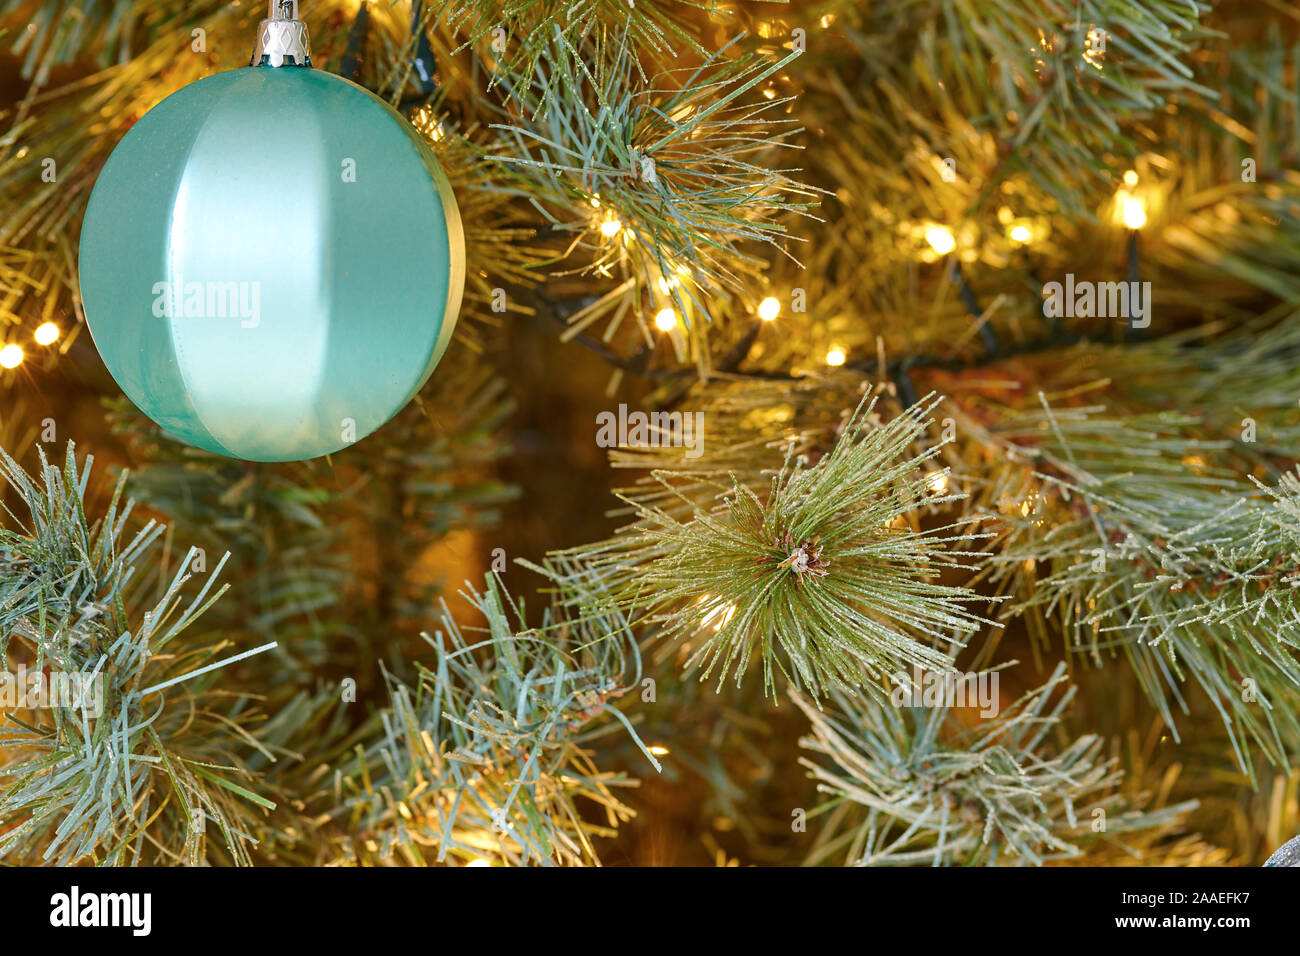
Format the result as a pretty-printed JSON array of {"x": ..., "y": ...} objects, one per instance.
[{"x": 821, "y": 577}]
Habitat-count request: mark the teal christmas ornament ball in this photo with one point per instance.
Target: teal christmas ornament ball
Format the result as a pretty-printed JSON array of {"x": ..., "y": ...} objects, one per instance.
[{"x": 271, "y": 263}]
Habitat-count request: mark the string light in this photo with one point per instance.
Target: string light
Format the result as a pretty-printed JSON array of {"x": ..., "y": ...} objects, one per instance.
[
  {"x": 939, "y": 482},
  {"x": 1133, "y": 212},
  {"x": 610, "y": 227},
  {"x": 478, "y": 863},
  {"x": 1021, "y": 233},
  {"x": 769, "y": 309},
  {"x": 835, "y": 356},
  {"x": 425, "y": 122},
  {"x": 11, "y": 356},
  {"x": 659, "y": 750},
  {"x": 46, "y": 334},
  {"x": 666, "y": 320},
  {"x": 940, "y": 239}
]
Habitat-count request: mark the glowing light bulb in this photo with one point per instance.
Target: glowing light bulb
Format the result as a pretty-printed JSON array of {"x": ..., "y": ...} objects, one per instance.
[
  {"x": 1021, "y": 233},
  {"x": 939, "y": 482},
  {"x": 46, "y": 333},
  {"x": 11, "y": 356},
  {"x": 610, "y": 227},
  {"x": 659, "y": 750},
  {"x": 941, "y": 240},
  {"x": 1131, "y": 178},
  {"x": 1134, "y": 212},
  {"x": 769, "y": 309},
  {"x": 835, "y": 357},
  {"x": 666, "y": 320},
  {"x": 478, "y": 863}
]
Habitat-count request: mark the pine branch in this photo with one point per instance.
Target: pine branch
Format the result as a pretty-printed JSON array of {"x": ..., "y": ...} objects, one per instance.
[
  {"x": 672, "y": 161},
  {"x": 821, "y": 577},
  {"x": 1138, "y": 545},
  {"x": 134, "y": 769},
  {"x": 485, "y": 758},
  {"x": 910, "y": 786},
  {"x": 517, "y": 32}
]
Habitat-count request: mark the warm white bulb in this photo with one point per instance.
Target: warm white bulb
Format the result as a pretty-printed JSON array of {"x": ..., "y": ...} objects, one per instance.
[
  {"x": 610, "y": 227},
  {"x": 1021, "y": 233},
  {"x": 1131, "y": 178},
  {"x": 769, "y": 309},
  {"x": 941, "y": 240},
  {"x": 666, "y": 320},
  {"x": 46, "y": 333},
  {"x": 939, "y": 482},
  {"x": 478, "y": 863},
  {"x": 1134, "y": 212},
  {"x": 835, "y": 357},
  {"x": 11, "y": 356}
]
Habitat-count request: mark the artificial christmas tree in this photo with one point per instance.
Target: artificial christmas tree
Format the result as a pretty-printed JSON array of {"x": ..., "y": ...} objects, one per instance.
[{"x": 870, "y": 437}]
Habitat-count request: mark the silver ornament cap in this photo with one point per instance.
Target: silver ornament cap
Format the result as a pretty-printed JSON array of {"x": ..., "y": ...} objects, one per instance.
[{"x": 281, "y": 37}]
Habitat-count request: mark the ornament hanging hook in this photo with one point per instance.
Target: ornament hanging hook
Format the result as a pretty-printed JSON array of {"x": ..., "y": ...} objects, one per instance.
[{"x": 281, "y": 38}]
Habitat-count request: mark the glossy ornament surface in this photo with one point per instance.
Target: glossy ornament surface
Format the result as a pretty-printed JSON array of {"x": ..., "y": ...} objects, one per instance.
[{"x": 271, "y": 263}]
